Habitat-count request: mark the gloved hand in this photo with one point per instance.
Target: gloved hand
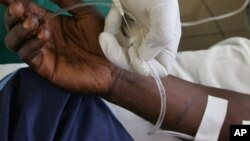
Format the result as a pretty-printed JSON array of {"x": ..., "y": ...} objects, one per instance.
[{"x": 161, "y": 19}]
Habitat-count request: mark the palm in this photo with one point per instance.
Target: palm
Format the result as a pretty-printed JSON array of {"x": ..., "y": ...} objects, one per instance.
[{"x": 72, "y": 57}]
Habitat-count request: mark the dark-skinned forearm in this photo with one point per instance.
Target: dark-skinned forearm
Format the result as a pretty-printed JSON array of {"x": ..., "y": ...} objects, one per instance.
[{"x": 186, "y": 102}]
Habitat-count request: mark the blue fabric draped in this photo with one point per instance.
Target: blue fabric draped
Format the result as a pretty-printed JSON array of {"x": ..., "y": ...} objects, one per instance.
[{"x": 33, "y": 109}]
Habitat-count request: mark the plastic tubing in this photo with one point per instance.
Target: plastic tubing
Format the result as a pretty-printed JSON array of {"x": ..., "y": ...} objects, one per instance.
[
  {"x": 163, "y": 99},
  {"x": 220, "y": 17},
  {"x": 93, "y": 3},
  {"x": 156, "y": 128},
  {"x": 183, "y": 24}
]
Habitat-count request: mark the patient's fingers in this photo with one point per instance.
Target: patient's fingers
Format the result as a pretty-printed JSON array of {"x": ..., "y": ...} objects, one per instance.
[
  {"x": 14, "y": 14},
  {"x": 19, "y": 33},
  {"x": 41, "y": 13},
  {"x": 17, "y": 12},
  {"x": 30, "y": 49}
]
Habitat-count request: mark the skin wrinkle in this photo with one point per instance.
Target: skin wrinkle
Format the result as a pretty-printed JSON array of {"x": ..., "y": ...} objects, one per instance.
[
  {"x": 65, "y": 37},
  {"x": 56, "y": 58},
  {"x": 75, "y": 41},
  {"x": 26, "y": 52},
  {"x": 70, "y": 35},
  {"x": 84, "y": 37},
  {"x": 185, "y": 111},
  {"x": 117, "y": 73},
  {"x": 98, "y": 83},
  {"x": 88, "y": 44}
]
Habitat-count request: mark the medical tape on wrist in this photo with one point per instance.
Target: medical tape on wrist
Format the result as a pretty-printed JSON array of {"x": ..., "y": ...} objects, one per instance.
[
  {"x": 212, "y": 120},
  {"x": 245, "y": 122}
]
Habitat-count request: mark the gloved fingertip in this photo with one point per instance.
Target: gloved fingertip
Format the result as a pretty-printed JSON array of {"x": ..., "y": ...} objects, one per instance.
[
  {"x": 137, "y": 63},
  {"x": 164, "y": 74},
  {"x": 103, "y": 42}
]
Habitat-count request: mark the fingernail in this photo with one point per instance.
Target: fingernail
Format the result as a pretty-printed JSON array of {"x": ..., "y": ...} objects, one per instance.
[
  {"x": 10, "y": 12},
  {"x": 44, "y": 34},
  {"x": 30, "y": 22},
  {"x": 16, "y": 9}
]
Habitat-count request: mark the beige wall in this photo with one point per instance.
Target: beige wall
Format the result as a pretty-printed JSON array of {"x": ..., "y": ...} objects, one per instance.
[{"x": 205, "y": 35}]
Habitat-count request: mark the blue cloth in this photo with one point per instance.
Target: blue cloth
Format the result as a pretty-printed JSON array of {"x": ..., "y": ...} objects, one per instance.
[{"x": 33, "y": 109}]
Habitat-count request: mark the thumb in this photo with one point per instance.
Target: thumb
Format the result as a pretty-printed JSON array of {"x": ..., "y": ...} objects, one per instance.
[
  {"x": 113, "y": 21},
  {"x": 113, "y": 51}
]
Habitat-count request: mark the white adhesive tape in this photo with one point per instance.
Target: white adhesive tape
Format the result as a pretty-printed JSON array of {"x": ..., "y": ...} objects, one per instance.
[
  {"x": 213, "y": 119},
  {"x": 245, "y": 122}
]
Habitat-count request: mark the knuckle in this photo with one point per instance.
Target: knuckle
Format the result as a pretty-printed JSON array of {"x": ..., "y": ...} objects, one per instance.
[
  {"x": 9, "y": 43},
  {"x": 23, "y": 54}
]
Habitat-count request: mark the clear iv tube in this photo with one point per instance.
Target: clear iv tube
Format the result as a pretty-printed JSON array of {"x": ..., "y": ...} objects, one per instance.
[
  {"x": 163, "y": 99},
  {"x": 156, "y": 128},
  {"x": 216, "y": 18},
  {"x": 92, "y": 3},
  {"x": 184, "y": 24}
]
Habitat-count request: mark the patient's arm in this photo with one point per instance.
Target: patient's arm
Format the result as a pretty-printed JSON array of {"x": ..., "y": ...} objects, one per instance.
[
  {"x": 186, "y": 102},
  {"x": 81, "y": 66}
]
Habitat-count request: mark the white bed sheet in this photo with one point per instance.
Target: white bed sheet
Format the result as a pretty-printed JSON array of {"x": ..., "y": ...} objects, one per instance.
[
  {"x": 225, "y": 65},
  {"x": 6, "y": 69}
]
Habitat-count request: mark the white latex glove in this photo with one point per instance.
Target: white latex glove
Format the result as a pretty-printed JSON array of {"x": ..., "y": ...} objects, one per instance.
[{"x": 161, "y": 19}]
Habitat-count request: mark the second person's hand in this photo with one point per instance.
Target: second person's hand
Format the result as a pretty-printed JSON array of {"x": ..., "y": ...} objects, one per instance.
[{"x": 162, "y": 20}]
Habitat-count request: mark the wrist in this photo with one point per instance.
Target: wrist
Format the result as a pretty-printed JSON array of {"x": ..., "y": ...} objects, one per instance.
[
  {"x": 129, "y": 89},
  {"x": 140, "y": 95},
  {"x": 115, "y": 75}
]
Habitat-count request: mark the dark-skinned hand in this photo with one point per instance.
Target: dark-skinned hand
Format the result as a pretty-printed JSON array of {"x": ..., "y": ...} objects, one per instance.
[{"x": 64, "y": 49}]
